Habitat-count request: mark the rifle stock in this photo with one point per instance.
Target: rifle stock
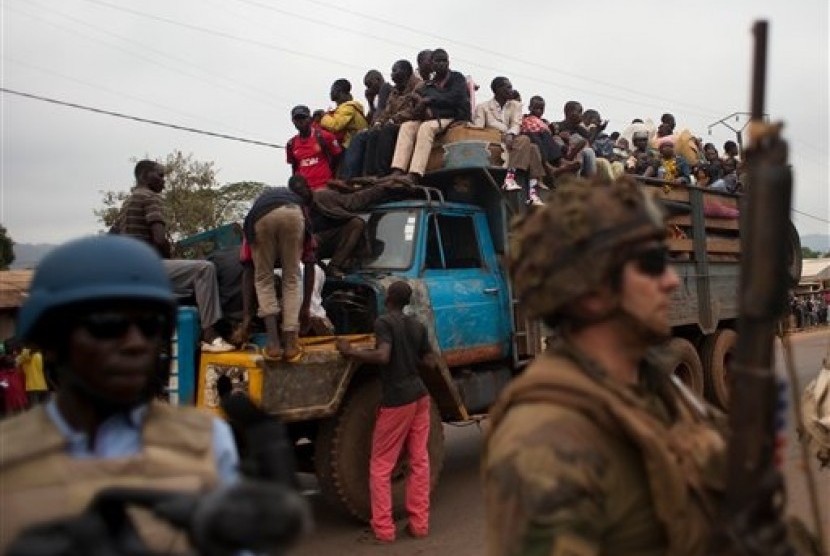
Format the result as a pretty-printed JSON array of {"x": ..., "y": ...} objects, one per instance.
[{"x": 754, "y": 492}]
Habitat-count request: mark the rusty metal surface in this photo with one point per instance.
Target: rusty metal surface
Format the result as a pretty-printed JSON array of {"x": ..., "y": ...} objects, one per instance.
[
  {"x": 14, "y": 287},
  {"x": 469, "y": 356},
  {"x": 314, "y": 386}
]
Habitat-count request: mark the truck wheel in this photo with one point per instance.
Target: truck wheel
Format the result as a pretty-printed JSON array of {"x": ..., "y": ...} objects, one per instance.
[
  {"x": 717, "y": 354},
  {"x": 689, "y": 369},
  {"x": 343, "y": 447}
]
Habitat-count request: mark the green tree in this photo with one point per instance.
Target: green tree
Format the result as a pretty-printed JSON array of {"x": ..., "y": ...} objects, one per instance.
[
  {"x": 193, "y": 199},
  {"x": 807, "y": 253},
  {"x": 6, "y": 249}
]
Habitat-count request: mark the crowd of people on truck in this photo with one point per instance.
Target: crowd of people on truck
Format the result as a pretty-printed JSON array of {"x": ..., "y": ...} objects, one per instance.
[
  {"x": 396, "y": 130},
  {"x": 385, "y": 146}
]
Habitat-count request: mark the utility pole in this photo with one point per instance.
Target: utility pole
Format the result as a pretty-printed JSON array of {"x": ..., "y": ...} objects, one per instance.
[{"x": 738, "y": 131}]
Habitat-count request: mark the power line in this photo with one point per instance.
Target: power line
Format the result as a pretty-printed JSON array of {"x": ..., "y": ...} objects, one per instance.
[
  {"x": 820, "y": 219},
  {"x": 536, "y": 79},
  {"x": 266, "y": 96},
  {"x": 330, "y": 60},
  {"x": 222, "y": 34},
  {"x": 114, "y": 92},
  {"x": 139, "y": 119},
  {"x": 535, "y": 63},
  {"x": 204, "y": 132}
]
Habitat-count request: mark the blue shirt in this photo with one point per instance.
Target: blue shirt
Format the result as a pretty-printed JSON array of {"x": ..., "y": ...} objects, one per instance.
[{"x": 120, "y": 436}]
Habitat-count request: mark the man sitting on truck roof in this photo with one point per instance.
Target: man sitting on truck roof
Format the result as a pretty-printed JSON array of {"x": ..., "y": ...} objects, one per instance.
[
  {"x": 641, "y": 154},
  {"x": 348, "y": 118},
  {"x": 538, "y": 130},
  {"x": 313, "y": 152},
  {"x": 142, "y": 217},
  {"x": 573, "y": 133},
  {"x": 400, "y": 107},
  {"x": 377, "y": 94},
  {"x": 444, "y": 99},
  {"x": 424, "y": 62},
  {"x": 669, "y": 167},
  {"x": 505, "y": 114}
]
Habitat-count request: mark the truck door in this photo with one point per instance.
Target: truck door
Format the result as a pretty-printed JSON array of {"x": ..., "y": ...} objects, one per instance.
[{"x": 466, "y": 289}]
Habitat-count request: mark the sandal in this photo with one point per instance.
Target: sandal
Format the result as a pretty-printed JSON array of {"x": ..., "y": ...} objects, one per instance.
[{"x": 268, "y": 355}]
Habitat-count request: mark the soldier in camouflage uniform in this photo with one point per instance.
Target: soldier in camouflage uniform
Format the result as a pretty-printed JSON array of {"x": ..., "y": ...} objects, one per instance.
[{"x": 596, "y": 449}]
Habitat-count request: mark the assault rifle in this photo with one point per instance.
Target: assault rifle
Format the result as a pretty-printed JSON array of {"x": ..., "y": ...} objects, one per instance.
[{"x": 754, "y": 500}]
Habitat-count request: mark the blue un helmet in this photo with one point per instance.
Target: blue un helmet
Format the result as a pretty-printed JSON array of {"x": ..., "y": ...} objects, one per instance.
[{"x": 97, "y": 268}]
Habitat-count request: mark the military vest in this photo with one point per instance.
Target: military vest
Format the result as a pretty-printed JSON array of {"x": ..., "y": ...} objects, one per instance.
[
  {"x": 683, "y": 459},
  {"x": 39, "y": 481}
]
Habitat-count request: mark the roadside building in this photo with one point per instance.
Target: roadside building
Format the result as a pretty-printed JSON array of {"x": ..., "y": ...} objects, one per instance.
[{"x": 14, "y": 285}]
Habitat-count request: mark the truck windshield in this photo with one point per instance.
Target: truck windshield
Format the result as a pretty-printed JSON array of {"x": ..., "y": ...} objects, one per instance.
[{"x": 392, "y": 238}]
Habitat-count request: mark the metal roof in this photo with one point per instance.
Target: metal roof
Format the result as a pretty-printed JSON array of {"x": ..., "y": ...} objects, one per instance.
[{"x": 14, "y": 287}]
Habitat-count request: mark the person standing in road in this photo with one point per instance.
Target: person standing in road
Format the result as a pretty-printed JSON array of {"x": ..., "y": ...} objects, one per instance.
[
  {"x": 596, "y": 448},
  {"x": 403, "y": 416},
  {"x": 31, "y": 363},
  {"x": 102, "y": 312}
]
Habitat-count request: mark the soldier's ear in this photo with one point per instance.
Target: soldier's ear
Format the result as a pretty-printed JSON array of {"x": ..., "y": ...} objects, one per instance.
[{"x": 595, "y": 305}]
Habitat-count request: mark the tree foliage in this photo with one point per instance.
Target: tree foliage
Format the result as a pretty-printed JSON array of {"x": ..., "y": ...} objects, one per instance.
[
  {"x": 193, "y": 199},
  {"x": 807, "y": 253},
  {"x": 6, "y": 249}
]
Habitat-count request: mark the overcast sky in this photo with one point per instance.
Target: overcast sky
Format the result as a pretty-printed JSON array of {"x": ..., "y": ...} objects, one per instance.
[{"x": 237, "y": 66}]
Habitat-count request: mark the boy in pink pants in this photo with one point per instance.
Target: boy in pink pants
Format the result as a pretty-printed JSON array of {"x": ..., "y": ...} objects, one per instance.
[{"x": 403, "y": 416}]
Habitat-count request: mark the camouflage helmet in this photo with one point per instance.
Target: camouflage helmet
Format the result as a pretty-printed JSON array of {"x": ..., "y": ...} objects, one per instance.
[{"x": 570, "y": 246}]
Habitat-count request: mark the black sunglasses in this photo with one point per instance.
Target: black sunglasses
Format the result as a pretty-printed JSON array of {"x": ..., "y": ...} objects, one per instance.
[
  {"x": 652, "y": 262},
  {"x": 109, "y": 326}
]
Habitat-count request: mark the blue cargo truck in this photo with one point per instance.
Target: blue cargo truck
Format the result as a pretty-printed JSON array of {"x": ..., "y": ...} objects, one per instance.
[{"x": 449, "y": 243}]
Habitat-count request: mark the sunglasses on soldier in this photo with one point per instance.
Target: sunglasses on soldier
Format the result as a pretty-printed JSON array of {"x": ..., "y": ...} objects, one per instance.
[
  {"x": 653, "y": 261},
  {"x": 113, "y": 325}
]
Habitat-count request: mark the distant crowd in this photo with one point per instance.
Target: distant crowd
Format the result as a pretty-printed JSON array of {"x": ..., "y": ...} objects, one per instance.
[{"x": 810, "y": 310}]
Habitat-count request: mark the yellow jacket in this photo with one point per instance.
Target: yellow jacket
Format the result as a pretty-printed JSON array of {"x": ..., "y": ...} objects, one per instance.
[
  {"x": 345, "y": 121},
  {"x": 32, "y": 365}
]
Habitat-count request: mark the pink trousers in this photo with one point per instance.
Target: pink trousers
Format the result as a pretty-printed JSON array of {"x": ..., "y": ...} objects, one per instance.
[{"x": 406, "y": 424}]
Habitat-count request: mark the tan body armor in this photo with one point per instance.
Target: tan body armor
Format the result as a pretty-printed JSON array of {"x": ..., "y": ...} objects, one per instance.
[
  {"x": 39, "y": 481},
  {"x": 581, "y": 465}
]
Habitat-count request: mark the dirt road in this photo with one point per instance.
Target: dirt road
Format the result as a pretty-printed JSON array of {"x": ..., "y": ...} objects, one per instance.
[{"x": 457, "y": 524}]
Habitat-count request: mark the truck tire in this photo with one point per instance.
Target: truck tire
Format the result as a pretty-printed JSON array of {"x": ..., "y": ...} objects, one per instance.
[
  {"x": 343, "y": 447},
  {"x": 716, "y": 354},
  {"x": 689, "y": 369}
]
